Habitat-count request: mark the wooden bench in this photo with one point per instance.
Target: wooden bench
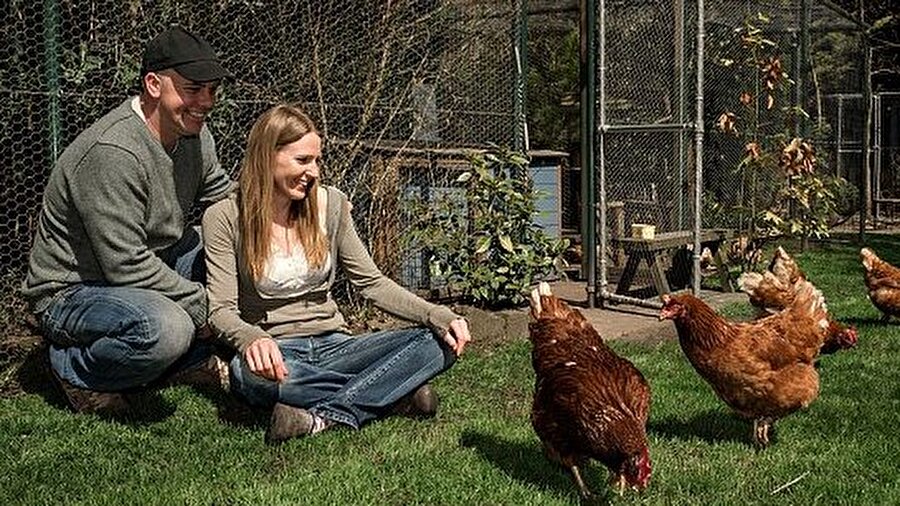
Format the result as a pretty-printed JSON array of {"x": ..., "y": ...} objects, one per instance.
[{"x": 654, "y": 251}]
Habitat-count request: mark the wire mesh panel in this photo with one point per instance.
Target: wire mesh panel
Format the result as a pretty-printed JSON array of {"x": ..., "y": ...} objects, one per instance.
[
  {"x": 761, "y": 94},
  {"x": 845, "y": 117},
  {"x": 768, "y": 140},
  {"x": 749, "y": 57},
  {"x": 648, "y": 105},
  {"x": 377, "y": 77},
  {"x": 552, "y": 100},
  {"x": 886, "y": 157}
]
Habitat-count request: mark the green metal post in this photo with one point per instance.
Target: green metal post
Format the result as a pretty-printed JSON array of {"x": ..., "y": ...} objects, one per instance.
[
  {"x": 805, "y": 69},
  {"x": 588, "y": 129},
  {"x": 51, "y": 69},
  {"x": 520, "y": 141},
  {"x": 865, "y": 194}
]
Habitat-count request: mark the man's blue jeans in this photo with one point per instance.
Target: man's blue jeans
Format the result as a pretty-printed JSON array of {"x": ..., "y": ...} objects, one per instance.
[
  {"x": 347, "y": 379},
  {"x": 113, "y": 338}
]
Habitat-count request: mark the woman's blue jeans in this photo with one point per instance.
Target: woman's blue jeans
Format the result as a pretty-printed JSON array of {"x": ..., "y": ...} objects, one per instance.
[
  {"x": 347, "y": 379},
  {"x": 114, "y": 338}
]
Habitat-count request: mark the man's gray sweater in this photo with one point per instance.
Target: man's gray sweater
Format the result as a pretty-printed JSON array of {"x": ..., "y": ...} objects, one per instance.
[{"x": 115, "y": 201}]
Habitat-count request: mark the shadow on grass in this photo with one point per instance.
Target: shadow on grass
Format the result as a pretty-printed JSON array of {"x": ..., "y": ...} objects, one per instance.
[
  {"x": 34, "y": 377},
  {"x": 147, "y": 407},
  {"x": 872, "y": 320},
  {"x": 526, "y": 463},
  {"x": 713, "y": 426},
  {"x": 233, "y": 411}
]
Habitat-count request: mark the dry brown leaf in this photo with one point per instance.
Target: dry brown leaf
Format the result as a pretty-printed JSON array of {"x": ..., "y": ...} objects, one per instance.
[
  {"x": 726, "y": 123},
  {"x": 752, "y": 150}
]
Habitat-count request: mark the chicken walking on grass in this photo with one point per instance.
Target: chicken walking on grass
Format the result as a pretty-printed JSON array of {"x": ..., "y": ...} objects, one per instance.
[
  {"x": 883, "y": 283},
  {"x": 763, "y": 370},
  {"x": 773, "y": 290},
  {"x": 589, "y": 403}
]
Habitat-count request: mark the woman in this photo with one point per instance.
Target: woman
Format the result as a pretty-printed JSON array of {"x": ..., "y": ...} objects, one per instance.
[{"x": 271, "y": 253}]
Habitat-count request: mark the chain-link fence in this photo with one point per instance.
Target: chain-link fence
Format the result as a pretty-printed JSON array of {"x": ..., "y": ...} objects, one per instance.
[
  {"x": 553, "y": 103},
  {"x": 886, "y": 155},
  {"x": 758, "y": 94},
  {"x": 761, "y": 93},
  {"x": 402, "y": 92},
  {"x": 378, "y": 78},
  {"x": 647, "y": 67},
  {"x": 845, "y": 115}
]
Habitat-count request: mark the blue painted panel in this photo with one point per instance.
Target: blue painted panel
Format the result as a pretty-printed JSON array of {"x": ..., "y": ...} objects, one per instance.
[{"x": 545, "y": 176}]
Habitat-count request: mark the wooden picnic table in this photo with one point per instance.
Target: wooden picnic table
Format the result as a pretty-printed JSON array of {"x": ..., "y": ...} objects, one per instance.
[{"x": 655, "y": 251}]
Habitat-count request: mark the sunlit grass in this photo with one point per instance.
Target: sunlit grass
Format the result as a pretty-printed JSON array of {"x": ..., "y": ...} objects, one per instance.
[{"x": 188, "y": 448}]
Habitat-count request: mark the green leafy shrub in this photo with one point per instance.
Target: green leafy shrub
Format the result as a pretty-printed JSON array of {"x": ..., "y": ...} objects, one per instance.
[{"x": 480, "y": 238}]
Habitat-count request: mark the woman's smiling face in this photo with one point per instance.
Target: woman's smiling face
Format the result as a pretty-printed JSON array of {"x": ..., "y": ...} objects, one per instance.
[{"x": 296, "y": 167}]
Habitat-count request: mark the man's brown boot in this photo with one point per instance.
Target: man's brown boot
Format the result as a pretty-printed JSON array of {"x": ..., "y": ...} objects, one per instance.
[{"x": 82, "y": 400}]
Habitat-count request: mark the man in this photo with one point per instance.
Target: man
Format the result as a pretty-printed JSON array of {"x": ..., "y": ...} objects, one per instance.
[{"x": 115, "y": 277}]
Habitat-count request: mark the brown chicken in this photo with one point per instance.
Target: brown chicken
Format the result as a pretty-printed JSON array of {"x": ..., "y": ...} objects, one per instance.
[
  {"x": 763, "y": 369},
  {"x": 588, "y": 401},
  {"x": 773, "y": 290},
  {"x": 883, "y": 282}
]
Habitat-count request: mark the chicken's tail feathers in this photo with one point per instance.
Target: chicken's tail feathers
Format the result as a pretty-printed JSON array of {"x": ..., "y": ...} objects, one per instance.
[
  {"x": 868, "y": 258},
  {"x": 749, "y": 282},
  {"x": 541, "y": 292},
  {"x": 781, "y": 253},
  {"x": 809, "y": 299},
  {"x": 784, "y": 267},
  {"x": 754, "y": 282},
  {"x": 545, "y": 305}
]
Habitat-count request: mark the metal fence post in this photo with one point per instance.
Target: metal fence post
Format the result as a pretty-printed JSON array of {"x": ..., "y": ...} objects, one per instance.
[
  {"x": 588, "y": 130},
  {"x": 520, "y": 44},
  {"x": 865, "y": 208},
  {"x": 51, "y": 69},
  {"x": 698, "y": 137}
]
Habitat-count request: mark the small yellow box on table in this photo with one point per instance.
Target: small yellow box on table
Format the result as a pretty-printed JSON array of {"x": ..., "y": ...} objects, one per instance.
[{"x": 643, "y": 231}]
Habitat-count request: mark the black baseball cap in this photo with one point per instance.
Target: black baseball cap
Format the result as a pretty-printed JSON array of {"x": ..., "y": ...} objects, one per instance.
[{"x": 187, "y": 54}]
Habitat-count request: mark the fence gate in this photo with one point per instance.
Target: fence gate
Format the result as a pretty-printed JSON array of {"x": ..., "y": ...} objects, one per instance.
[{"x": 646, "y": 145}]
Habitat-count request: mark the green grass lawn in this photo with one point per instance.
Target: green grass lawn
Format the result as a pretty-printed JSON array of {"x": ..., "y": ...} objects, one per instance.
[{"x": 187, "y": 447}]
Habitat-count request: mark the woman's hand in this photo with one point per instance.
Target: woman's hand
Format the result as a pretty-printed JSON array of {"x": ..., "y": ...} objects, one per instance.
[
  {"x": 458, "y": 335},
  {"x": 264, "y": 359}
]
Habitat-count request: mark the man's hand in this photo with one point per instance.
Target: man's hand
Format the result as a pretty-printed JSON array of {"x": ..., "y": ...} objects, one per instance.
[
  {"x": 264, "y": 359},
  {"x": 458, "y": 335}
]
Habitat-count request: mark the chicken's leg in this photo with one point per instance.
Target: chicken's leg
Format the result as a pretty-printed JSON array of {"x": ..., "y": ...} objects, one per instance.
[
  {"x": 576, "y": 474},
  {"x": 761, "y": 431},
  {"x": 619, "y": 481}
]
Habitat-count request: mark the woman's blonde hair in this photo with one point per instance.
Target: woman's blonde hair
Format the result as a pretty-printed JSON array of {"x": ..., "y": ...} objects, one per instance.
[{"x": 277, "y": 127}]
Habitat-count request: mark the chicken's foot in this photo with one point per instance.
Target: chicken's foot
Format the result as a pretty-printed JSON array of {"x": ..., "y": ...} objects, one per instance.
[{"x": 576, "y": 474}]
